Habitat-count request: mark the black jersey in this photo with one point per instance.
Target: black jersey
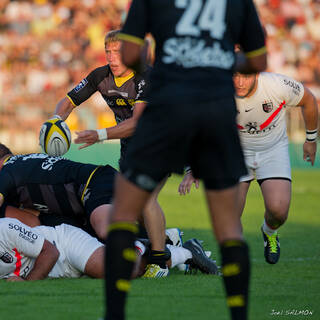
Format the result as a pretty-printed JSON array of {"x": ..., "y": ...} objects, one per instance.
[
  {"x": 47, "y": 184},
  {"x": 120, "y": 99},
  {"x": 195, "y": 42}
]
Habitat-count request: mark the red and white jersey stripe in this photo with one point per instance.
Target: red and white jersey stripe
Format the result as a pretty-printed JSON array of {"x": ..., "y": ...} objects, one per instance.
[{"x": 261, "y": 117}]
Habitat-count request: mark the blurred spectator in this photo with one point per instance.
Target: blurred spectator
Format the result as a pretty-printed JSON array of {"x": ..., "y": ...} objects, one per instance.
[{"x": 47, "y": 46}]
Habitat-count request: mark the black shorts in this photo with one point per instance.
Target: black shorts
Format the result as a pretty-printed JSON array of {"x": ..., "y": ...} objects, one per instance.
[
  {"x": 100, "y": 189},
  {"x": 169, "y": 137}
]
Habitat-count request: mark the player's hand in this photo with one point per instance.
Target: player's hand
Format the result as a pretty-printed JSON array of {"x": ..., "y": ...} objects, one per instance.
[
  {"x": 15, "y": 279},
  {"x": 309, "y": 151},
  {"x": 185, "y": 185},
  {"x": 88, "y": 137}
]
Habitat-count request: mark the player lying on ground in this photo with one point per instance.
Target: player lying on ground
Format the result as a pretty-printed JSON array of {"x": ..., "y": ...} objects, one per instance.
[
  {"x": 65, "y": 251},
  {"x": 75, "y": 192},
  {"x": 262, "y": 100}
]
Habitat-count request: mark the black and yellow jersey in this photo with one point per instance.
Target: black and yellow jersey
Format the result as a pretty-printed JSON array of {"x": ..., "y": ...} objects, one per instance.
[
  {"x": 48, "y": 184},
  {"x": 195, "y": 40},
  {"x": 119, "y": 93}
]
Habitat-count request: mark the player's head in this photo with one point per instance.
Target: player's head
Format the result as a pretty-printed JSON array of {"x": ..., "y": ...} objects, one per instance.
[
  {"x": 245, "y": 84},
  {"x": 4, "y": 150},
  {"x": 112, "y": 45}
]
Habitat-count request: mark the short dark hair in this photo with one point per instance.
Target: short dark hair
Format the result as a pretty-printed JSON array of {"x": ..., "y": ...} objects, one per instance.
[{"x": 4, "y": 150}]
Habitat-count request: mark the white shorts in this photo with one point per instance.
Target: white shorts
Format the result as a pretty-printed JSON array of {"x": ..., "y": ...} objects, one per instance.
[
  {"x": 271, "y": 163},
  {"x": 75, "y": 247}
]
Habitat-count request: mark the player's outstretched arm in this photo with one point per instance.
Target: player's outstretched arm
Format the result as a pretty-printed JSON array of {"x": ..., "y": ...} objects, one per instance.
[
  {"x": 186, "y": 183},
  {"x": 64, "y": 108},
  {"x": 122, "y": 130},
  {"x": 309, "y": 108}
]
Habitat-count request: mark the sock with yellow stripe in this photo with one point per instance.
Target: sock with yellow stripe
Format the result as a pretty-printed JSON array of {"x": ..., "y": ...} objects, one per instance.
[
  {"x": 236, "y": 273},
  {"x": 119, "y": 262},
  {"x": 158, "y": 257}
]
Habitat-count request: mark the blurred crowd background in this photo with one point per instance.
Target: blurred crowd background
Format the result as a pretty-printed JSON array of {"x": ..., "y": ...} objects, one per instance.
[{"x": 48, "y": 46}]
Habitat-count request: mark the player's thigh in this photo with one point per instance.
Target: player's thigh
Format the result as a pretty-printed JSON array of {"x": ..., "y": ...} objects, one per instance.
[
  {"x": 277, "y": 195},
  {"x": 100, "y": 219},
  {"x": 274, "y": 163}
]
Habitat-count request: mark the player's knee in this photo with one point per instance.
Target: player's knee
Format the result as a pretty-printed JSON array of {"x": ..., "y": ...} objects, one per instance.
[{"x": 278, "y": 211}]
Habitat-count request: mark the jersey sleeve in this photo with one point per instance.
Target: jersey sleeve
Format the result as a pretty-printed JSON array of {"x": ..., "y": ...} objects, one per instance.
[
  {"x": 292, "y": 91},
  {"x": 87, "y": 86},
  {"x": 252, "y": 39},
  {"x": 136, "y": 25},
  {"x": 21, "y": 237}
]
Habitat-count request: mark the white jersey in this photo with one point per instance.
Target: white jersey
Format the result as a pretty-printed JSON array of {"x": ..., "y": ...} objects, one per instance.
[
  {"x": 261, "y": 117},
  {"x": 20, "y": 245}
]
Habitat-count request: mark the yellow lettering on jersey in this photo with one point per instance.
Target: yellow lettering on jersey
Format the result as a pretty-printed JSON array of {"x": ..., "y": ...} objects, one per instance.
[
  {"x": 131, "y": 101},
  {"x": 119, "y": 81},
  {"x": 120, "y": 102}
]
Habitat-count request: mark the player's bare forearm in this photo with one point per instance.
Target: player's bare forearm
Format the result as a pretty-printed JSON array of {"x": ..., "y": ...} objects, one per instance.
[
  {"x": 44, "y": 262},
  {"x": 64, "y": 108},
  {"x": 309, "y": 108}
]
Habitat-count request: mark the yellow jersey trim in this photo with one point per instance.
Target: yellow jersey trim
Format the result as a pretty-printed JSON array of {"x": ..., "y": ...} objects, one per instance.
[
  {"x": 71, "y": 101},
  {"x": 88, "y": 181},
  {"x": 130, "y": 38},
  {"x": 119, "y": 81},
  {"x": 256, "y": 53},
  {"x": 6, "y": 159},
  {"x": 140, "y": 101}
]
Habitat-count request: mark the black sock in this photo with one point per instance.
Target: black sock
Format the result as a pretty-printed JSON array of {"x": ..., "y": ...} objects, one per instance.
[
  {"x": 158, "y": 257},
  {"x": 119, "y": 262},
  {"x": 236, "y": 273}
]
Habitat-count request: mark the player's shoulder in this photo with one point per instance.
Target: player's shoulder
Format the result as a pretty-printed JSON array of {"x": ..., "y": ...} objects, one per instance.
[
  {"x": 275, "y": 79},
  {"x": 101, "y": 72}
]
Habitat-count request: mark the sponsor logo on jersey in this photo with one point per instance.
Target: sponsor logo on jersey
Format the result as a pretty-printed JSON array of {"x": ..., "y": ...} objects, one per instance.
[
  {"x": 81, "y": 85},
  {"x": 247, "y": 110},
  {"x": 252, "y": 127},
  {"x": 291, "y": 84},
  {"x": 267, "y": 106},
  {"x": 24, "y": 233},
  {"x": 41, "y": 207},
  {"x": 6, "y": 257},
  {"x": 189, "y": 53}
]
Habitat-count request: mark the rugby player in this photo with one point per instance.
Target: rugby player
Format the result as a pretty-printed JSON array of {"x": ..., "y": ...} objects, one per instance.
[
  {"x": 190, "y": 119},
  {"x": 65, "y": 251},
  {"x": 60, "y": 189},
  {"x": 125, "y": 93},
  {"x": 262, "y": 100}
]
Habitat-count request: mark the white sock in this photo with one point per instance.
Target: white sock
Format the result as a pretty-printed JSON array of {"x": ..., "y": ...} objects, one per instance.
[
  {"x": 178, "y": 255},
  {"x": 140, "y": 247},
  {"x": 269, "y": 231}
]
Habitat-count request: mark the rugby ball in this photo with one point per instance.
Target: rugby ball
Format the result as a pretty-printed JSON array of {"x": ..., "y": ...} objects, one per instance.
[{"x": 55, "y": 137}]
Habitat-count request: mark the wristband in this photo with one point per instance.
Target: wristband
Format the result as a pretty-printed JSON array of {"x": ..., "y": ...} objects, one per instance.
[
  {"x": 311, "y": 135},
  {"x": 187, "y": 169},
  {"x": 56, "y": 116},
  {"x": 102, "y": 134}
]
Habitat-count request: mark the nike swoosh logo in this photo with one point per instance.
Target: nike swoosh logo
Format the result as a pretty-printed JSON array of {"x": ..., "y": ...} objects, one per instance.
[{"x": 247, "y": 110}]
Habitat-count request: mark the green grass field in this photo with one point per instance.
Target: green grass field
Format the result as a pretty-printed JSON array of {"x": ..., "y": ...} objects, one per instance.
[{"x": 291, "y": 286}]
